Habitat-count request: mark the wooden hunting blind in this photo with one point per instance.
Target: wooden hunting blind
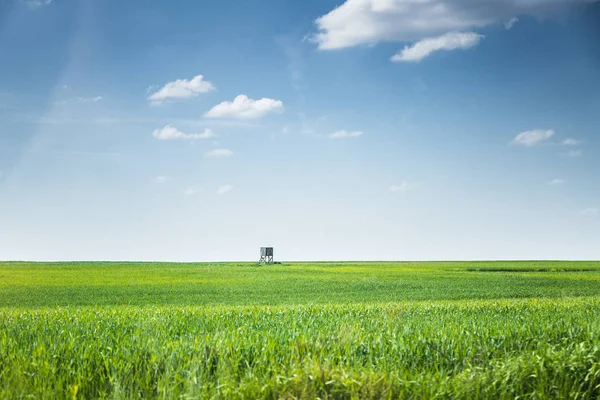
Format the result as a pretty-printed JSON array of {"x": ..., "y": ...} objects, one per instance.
[{"x": 266, "y": 255}]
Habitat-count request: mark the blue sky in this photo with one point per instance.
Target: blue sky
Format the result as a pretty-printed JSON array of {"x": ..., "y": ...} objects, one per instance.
[{"x": 331, "y": 130}]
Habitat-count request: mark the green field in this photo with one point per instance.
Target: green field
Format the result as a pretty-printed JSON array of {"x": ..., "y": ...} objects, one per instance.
[{"x": 300, "y": 330}]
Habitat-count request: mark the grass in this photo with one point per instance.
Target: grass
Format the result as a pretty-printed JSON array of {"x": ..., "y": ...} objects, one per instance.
[
  {"x": 326, "y": 330},
  {"x": 79, "y": 284}
]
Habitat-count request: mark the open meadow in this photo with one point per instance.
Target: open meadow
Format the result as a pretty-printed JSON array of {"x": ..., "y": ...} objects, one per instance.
[{"x": 300, "y": 330}]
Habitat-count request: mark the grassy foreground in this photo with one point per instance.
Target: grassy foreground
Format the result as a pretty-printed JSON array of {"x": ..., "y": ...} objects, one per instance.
[{"x": 445, "y": 330}]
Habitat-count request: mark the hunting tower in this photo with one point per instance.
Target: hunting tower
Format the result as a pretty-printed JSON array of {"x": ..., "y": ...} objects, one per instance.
[{"x": 266, "y": 255}]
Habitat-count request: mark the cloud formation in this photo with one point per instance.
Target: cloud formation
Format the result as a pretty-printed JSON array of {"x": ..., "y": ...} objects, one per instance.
[
  {"x": 78, "y": 100},
  {"x": 571, "y": 142},
  {"x": 359, "y": 22},
  {"x": 400, "y": 187},
  {"x": 344, "y": 134},
  {"x": 533, "y": 137},
  {"x": 219, "y": 153},
  {"x": 449, "y": 41},
  {"x": 245, "y": 108},
  {"x": 224, "y": 189},
  {"x": 190, "y": 190},
  {"x": 557, "y": 181},
  {"x": 509, "y": 25},
  {"x": 182, "y": 89},
  {"x": 89, "y": 99},
  {"x": 171, "y": 133},
  {"x": 37, "y": 3}
]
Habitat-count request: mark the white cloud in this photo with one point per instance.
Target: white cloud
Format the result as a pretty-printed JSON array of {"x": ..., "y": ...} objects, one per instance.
[
  {"x": 243, "y": 107},
  {"x": 533, "y": 137},
  {"x": 89, "y": 99},
  {"x": 571, "y": 142},
  {"x": 449, "y": 41},
  {"x": 575, "y": 153},
  {"x": 79, "y": 100},
  {"x": 511, "y": 22},
  {"x": 190, "y": 191},
  {"x": 358, "y": 22},
  {"x": 171, "y": 133},
  {"x": 400, "y": 187},
  {"x": 37, "y": 3},
  {"x": 592, "y": 212},
  {"x": 219, "y": 153},
  {"x": 182, "y": 89},
  {"x": 224, "y": 189},
  {"x": 344, "y": 134},
  {"x": 557, "y": 181},
  {"x": 230, "y": 122},
  {"x": 160, "y": 179}
]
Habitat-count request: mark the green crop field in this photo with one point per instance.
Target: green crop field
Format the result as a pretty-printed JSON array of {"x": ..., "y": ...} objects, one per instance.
[{"x": 300, "y": 330}]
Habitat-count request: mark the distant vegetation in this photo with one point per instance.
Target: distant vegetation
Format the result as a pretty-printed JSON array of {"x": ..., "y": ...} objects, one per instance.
[
  {"x": 328, "y": 330},
  {"x": 78, "y": 284}
]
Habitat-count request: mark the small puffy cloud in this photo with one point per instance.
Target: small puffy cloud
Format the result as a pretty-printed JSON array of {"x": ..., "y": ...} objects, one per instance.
[
  {"x": 219, "y": 153},
  {"x": 344, "y": 134},
  {"x": 243, "y": 107},
  {"x": 590, "y": 212},
  {"x": 400, "y": 187},
  {"x": 511, "y": 22},
  {"x": 571, "y": 142},
  {"x": 224, "y": 189},
  {"x": 557, "y": 181},
  {"x": 190, "y": 190},
  {"x": 449, "y": 41},
  {"x": 533, "y": 137},
  {"x": 182, "y": 89},
  {"x": 575, "y": 153},
  {"x": 171, "y": 133},
  {"x": 160, "y": 179},
  {"x": 366, "y": 22}
]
